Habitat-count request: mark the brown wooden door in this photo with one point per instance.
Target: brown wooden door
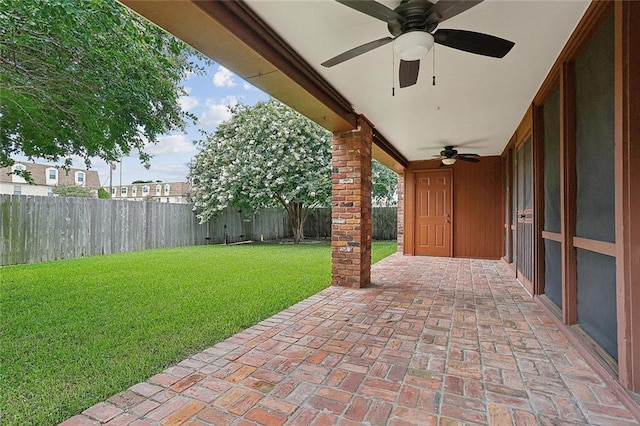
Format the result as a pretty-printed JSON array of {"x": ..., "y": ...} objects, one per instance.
[
  {"x": 434, "y": 205},
  {"x": 524, "y": 214}
]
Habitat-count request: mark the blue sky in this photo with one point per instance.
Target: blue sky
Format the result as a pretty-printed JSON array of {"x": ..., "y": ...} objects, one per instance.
[{"x": 208, "y": 98}]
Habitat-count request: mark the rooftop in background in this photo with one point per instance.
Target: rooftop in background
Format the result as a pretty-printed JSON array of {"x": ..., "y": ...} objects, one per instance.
[
  {"x": 45, "y": 177},
  {"x": 163, "y": 192}
]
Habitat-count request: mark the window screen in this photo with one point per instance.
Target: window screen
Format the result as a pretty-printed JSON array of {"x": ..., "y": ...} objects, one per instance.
[
  {"x": 553, "y": 272},
  {"x": 597, "y": 299},
  {"x": 507, "y": 206},
  {"x": 524, "y": 169},
  {"x": 528, "y": 174},
  {"x": 595, "y": 137},
  {"x": 551, "y": 114}
]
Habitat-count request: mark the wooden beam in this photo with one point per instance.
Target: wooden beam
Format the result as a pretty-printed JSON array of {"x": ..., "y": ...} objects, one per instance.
[
  {"x": 508, "y": 153},
  {"x": 627, "y": 195},
  {"x": 391, "y": 150},
  {"x": 568, "y": 192},
  {"x": 601, "y": 247},
  {"x": 538, "y": 199},
  {"x": 232, "y": 35},
  {"x": 553, "y": 236}
]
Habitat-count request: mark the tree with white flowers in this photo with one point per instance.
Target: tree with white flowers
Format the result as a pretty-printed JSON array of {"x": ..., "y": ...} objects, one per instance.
[{"x": 265, "y": 155}]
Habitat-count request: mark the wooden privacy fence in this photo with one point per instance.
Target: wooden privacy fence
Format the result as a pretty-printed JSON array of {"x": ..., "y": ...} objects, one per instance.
[
  {"x": 39, "y": 229},
  {"x": 385, "y": 223}
]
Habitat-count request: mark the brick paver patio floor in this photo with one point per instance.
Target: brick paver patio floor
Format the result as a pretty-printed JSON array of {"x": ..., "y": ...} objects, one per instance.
[{"x": 432, "y": 341}]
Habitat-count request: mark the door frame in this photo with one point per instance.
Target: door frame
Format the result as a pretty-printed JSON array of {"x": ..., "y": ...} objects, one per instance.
[
  {"x": 507, "y": 201},
  {"x": 410, "y": 203},
  {"x": 449, "y": 171},
  {"x": 523, "y": 215},
  {"x": 524, "y": 131}
]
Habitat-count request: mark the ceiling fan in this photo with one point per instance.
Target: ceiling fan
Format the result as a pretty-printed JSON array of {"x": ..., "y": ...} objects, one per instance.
[
  {"x": 412, "y": 25},
  {"x": 449, "y": 156}
]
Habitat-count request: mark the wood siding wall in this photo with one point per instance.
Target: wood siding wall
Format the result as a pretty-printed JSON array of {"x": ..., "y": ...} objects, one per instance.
[
  {"x": 627, "y": 96},
  {"x": 477, "y": 207},
  {"x": 477, "y": 197}
]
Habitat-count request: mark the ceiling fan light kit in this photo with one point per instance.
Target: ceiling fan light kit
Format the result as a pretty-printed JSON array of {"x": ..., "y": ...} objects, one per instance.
[
  {"x": 449, "y": 155},
  {"x": 412, "y": 46}
]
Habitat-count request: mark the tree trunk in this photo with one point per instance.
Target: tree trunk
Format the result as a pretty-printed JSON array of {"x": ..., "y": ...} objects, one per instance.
[
  {"x": 297, "y": 214},
  {"x": 298, "y": 233}
]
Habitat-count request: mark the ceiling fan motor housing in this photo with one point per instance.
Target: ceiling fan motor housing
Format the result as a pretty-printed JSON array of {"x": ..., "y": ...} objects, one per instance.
[
  {"x": 415, "y": 15},
  {"x": 449, "y": 152}
]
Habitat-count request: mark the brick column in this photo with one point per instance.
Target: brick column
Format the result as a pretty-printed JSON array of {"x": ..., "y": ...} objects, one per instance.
[
  {"x": 400, "y": 213},
  {"x": 351, "y": 227}
]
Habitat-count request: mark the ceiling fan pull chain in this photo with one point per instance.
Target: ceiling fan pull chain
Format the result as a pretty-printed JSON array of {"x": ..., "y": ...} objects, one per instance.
[
  {"x": 393, "y": 70},
  {"x": 434, "y": 65}
]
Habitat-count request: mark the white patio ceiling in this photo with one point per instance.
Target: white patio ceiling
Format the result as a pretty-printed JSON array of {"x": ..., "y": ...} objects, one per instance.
[{"x": 477, "y": 102}]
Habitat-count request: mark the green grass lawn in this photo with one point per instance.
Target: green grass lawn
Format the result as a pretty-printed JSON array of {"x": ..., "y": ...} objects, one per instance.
[{"x": 74, "y": 332}]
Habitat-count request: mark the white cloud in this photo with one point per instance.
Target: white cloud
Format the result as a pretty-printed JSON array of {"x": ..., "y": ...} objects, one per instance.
[
  {"x": 223, "y": 78},
  {"x": 231, "y": 100},
  {"x": 170, "y": 144},
  {"x": 187, "y": 103},
  {"x": 215, "y": 114},
  {"x": 247, "y": 86}
]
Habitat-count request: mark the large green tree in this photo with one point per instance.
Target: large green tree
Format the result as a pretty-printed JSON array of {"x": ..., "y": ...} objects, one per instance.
[
  {"x": 265, "y": 155},
  {"x": 86, "y": 77},
  {"x": 384, "y": 185}
]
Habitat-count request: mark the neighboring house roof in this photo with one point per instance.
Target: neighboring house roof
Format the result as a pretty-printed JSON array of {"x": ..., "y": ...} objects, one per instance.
[
  {"x": 65, "y": 178},
  {"x": 179, "y": 189},
  {"x": 176, "y": 189}
]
